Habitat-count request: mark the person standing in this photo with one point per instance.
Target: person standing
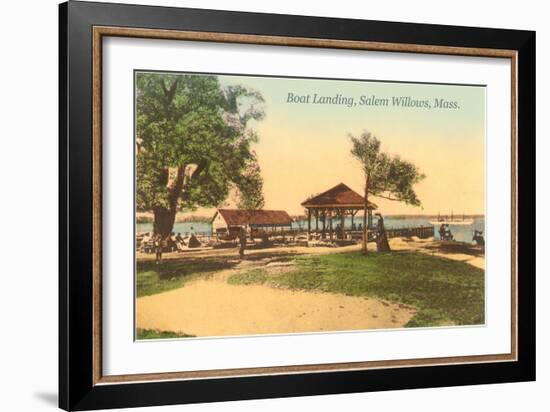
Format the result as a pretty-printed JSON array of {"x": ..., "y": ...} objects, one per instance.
[
  {"x": 158, "y": 249},
  {"x": 448, "y": 233},
  {"x": 382, "y": 244},
  {"x": 145, "y": 243},
  {"x": 442, "y": 232},
  {"x": 180, "y": 243},
  {"x": 338, "y": 231}
]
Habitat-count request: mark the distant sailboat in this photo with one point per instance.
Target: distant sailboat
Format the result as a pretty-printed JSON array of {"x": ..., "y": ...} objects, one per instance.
[{"x": 452, "y": 221}]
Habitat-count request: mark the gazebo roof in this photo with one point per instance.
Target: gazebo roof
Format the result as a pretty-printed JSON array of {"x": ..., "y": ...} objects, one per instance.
[{"x": 338, "y": 196}]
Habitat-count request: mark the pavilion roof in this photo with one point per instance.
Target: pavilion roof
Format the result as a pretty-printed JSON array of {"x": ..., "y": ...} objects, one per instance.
[{"x": 338, "y": 196}]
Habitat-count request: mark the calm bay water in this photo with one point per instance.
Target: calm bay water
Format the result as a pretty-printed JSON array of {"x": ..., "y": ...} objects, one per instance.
[
  {"x": 461, "y": 233},
  {"x": 199, "y": 228}
]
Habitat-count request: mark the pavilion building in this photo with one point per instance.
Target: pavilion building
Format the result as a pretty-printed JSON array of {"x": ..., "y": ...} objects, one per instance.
[
  {"x": 231, "y": 221},
  {"x": 335, "y": 204}
]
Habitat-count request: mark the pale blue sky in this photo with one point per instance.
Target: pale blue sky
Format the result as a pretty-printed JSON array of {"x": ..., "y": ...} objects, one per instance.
[{"x": 304, "y": 148}]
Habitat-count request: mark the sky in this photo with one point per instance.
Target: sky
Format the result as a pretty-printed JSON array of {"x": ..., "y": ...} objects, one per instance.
[{"x": 304, "y": 148}]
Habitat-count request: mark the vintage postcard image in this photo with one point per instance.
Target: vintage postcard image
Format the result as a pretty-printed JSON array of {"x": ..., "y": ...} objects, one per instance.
[{"x": 274, "y": 205}]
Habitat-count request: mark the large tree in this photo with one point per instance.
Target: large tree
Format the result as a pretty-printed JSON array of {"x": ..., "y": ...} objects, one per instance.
[
  {"x": 250, "y": 194},
  {"x": 193, "y": 144},
  {"x": 386, "y": 176}
]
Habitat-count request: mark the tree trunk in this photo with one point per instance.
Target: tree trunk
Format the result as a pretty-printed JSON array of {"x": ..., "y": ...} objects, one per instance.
[
  {"x": 164, "y": 221},
  {"x": 165, "y": 217},
  {"x": 365, "y": 213}
]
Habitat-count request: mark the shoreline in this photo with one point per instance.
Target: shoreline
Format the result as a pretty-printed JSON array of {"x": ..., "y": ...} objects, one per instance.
[{"x": 206, "y": 217}]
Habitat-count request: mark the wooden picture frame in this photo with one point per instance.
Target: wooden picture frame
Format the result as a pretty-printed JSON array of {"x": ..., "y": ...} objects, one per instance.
[{"x": 82, "y": 27}]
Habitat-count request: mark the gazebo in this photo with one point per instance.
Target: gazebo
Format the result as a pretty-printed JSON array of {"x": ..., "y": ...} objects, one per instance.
[{"x": 335, "y": 203}]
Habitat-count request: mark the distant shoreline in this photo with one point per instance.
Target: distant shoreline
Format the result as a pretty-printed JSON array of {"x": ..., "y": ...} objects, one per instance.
[
  {"x": 412, "y": 216},
  {"x": 147, "y": 217},
  {"x": 455, "y": 215}
]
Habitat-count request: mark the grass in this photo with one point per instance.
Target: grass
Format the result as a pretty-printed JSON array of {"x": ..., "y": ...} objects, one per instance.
[
  {"x": 444, "y": 291},
  {"x": 158, "y": 334},
  {"x": 174, "y": 273}
]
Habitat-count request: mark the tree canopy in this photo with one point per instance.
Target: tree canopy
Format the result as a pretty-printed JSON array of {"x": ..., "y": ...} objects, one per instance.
[
  {"x": 389, "y": 177},
  {"x": 386, "y": 176},
  {"x": 193, "y": 139}
]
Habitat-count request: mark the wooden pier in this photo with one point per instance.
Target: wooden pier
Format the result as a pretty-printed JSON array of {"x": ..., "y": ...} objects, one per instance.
[{"x": 422, "y": 232}]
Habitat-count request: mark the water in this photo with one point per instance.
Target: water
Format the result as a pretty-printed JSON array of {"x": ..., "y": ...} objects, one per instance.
[
  {"x": 185, "y": 228},
  {"x": 462, "y": 233}
]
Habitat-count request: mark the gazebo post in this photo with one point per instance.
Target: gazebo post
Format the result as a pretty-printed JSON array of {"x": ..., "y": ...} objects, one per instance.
[
  {"x": 308, "y": 224},
  {"x": 324, "y": 223},
  {"x": 342, "y": 216},
  {"x": 369, "y": 218},
  {"x": 316, "y": 221},
  {"x": 330, "y": 225}
]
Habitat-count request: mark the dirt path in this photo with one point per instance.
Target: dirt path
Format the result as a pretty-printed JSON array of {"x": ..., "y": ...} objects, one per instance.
[
  {"x": 252, "y": 253},
  {"x": 429, "y": 246},
  {"x": 212, "y": 307}
]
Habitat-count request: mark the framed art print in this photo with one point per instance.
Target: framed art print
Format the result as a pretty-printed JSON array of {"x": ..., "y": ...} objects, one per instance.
[{"x": 259, "y": 205}]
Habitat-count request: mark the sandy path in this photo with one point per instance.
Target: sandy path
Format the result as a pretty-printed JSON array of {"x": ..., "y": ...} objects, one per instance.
[
  {"x": 213, "y": 308},
  {"x": 428, "y": 246},
  {"x": 251, "y": 253}
]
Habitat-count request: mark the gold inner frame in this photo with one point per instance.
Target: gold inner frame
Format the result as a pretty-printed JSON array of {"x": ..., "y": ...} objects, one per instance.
[{"x": 101, "y": 31}]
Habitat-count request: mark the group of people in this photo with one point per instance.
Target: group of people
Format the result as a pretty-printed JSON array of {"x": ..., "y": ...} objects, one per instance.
[
  {"x": 355, "y": 227},
  {"x": 340, "y": 230},
  {"x": 445, "y": 232},
  {"x": 177, "y": 242},
  {"x": 381, "y": 237},
  {"x": 478, "y": 238},
  {"x": 172, "y": 243}
]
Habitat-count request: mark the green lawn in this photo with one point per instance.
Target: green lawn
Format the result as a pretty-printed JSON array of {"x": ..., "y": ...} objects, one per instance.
[
  {"x": 173, "y": 273},
  {"x": 444, "y": 291},
  {"x": 158, "y": 334}
]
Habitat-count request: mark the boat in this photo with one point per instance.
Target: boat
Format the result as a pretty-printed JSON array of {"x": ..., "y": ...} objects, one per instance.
[{"x": 441, "y": 220}]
